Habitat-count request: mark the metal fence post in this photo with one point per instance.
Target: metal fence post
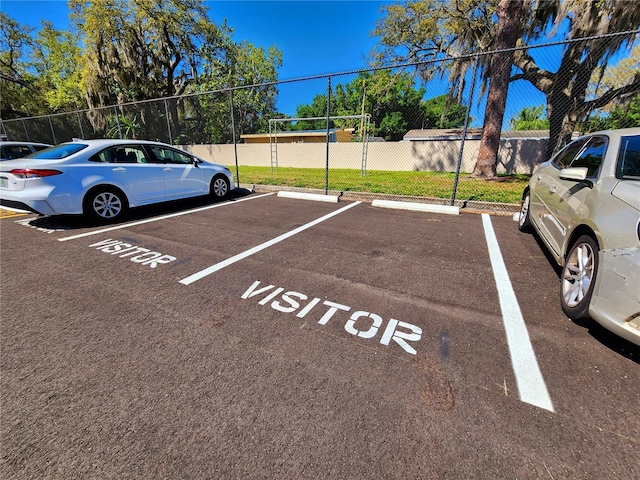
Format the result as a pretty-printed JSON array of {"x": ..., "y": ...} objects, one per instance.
[
  {"x": 115, "y": 108},
  {"x": 26, "y": 132},
  {"x": 53, "y": 132},
  {"x": 80, "y": 125},
  {"x": 464, "y": 130},
  {"x": 326, "y": 173},
  {"x": 235, "y": 143},
  {"x": 166, "y": 113}
]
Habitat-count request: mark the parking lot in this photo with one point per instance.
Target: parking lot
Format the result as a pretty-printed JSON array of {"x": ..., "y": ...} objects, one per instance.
[{"x": 270, "y": 337}]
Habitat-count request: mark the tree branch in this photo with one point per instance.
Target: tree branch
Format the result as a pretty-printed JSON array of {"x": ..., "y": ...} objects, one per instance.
[
  {"x": 18, "y": 81},
  {"x": 631, "y": 88},
  {"x": 540, "y": 78}
]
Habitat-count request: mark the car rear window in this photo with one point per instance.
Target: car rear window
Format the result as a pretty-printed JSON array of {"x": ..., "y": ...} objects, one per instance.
[
  {"x": 59, "y": 151},
  {"x": 628, "y": 166}
]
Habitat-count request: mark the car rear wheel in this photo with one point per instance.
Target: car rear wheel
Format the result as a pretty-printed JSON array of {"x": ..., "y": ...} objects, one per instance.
[
  {"x": 219, "y": 187},
  {"x": 105, "y": 204},
  {"x": 524, "y": 221},
  {"x": 578, "y": 278}
]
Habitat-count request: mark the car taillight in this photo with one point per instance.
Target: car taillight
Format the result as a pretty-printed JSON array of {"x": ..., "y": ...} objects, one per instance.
[{"x": 34, "y": 172}]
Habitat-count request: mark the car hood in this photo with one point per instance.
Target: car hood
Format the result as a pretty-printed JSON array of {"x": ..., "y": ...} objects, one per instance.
[{"x": 628, "y": 192}]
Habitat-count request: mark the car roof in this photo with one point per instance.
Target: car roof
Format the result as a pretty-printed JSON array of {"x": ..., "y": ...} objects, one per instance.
[
  {"x": 98, "y": 142},
  {"x": 12, "y": 142},
  {"x": 617, "y": 132}
]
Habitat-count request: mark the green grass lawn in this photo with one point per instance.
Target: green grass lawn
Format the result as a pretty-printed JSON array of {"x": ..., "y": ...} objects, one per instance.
[{"x": 504, "y": 189}]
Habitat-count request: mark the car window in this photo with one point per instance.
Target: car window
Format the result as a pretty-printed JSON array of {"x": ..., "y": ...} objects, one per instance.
[
  {"x": 628, "y": 166},
  {"x": 565, "y": 156},
  {"x": 169, "y": 155},
  {"x": 591, "y": 156},
  {"x": 37, "y": 148},
  {"x": 121, "y": 154},
  {"x": 59, "y": 151},
  {"x": 14, "y": 151}
]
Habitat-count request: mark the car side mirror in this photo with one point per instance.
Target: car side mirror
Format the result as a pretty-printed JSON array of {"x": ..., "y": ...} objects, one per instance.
[{"x": 578, "y": 174}]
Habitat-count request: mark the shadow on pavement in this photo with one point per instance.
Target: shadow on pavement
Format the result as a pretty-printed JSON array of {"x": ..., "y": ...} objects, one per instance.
[{"x": 73, "y": 222}]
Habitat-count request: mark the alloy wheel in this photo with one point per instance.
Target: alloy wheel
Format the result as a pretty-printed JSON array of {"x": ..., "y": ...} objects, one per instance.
[
  {"x": 578, "y": 274},
  {"x": 107, "y": 205},
  {"x": 220, "y": 187}
]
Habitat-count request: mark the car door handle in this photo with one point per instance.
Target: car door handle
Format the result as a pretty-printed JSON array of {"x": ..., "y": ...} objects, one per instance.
[
  {"x": 167, "y": 169},
  {"x": 119, "y": 169}
]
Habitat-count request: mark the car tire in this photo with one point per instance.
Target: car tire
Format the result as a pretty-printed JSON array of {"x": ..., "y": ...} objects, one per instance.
[
  {"x": 105, "y": 204},
  {"x": 219, "y": 187},
  {"x": 524, "y": 220},
  {"x": 578, "y": 278}
]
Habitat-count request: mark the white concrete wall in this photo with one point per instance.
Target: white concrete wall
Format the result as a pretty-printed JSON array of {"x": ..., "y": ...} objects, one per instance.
[{"x": 516, "y": 156}]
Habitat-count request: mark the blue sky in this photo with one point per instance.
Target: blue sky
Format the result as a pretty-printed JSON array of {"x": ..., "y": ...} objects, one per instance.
[{"x": 315, "y": 37}]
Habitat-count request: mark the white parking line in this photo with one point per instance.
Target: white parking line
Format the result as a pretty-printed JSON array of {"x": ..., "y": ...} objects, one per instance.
[
  {"x": 531, "y": 386},
  {"x": 155, "y": 219},
  {"x": 225, "y": 263}
]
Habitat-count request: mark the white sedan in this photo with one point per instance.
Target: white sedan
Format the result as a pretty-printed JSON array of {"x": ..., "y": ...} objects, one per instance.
[
  {"x": 585, "y": 205},
  {"x": 13, "y": 150},
  {"x": 103, "y": 178}
]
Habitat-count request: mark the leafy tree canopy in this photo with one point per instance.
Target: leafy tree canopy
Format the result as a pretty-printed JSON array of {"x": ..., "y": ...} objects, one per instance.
[
  {"x": 392, "y": 100},
  {"x": 428, "y": 31},
  {"x": 530, "y": 118},
  {"x": 622, "y": 116},
  {"x": 122, "y": 51}
]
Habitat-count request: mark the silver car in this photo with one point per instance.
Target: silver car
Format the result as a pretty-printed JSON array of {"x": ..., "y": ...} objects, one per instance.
[
  {"x": 585, "y": 205},
  {"x": 13, "y": 150},
  {"x": 103, "y": 178}
]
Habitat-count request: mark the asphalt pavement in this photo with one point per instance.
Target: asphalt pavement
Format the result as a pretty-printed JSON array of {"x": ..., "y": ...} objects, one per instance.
[{"x": 269, "y": 337}]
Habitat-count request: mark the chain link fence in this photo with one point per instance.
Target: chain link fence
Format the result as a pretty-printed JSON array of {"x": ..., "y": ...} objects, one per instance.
[{"x": 379, "y": 135}]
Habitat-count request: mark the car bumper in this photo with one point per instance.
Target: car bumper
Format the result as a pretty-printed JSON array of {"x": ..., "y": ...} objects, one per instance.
[
  {"x": 42, "y": 199},
  {"x": 616, "y": 296},
  {"x": 37, "y": 206}
]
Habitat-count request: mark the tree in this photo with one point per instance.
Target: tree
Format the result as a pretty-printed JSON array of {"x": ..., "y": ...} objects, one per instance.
[
  {"x": 434, "y": 33},
  {"x": 56, "y": 59},
  {"x": 615, "y": 76},
  {"x": 530, "y": 118},
  {"x": 443, "y": 112},
  {"x": 17, "y": 83},
  {"x": 566, "y": 89},
  {"x": 38, "y": 74},
  {"x": 257, "y": 70},
  {"x": 144, "y": 49},
  {"x": 393, "y": 102},
  {"x": 625, "y": 115},
  {"x": 147, "y": 49},
  {"x": 509, "y": 15}
]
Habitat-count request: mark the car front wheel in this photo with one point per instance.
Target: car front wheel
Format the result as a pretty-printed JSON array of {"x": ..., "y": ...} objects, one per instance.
[
  {"x": 219, "y": 187},
  {"x": 578, "y": 278},
  {"x": 106, "y": 205},
  {"x": 524, "y": 220}
]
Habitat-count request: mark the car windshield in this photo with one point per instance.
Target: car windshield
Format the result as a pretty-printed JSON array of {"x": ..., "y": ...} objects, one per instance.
[
  {"x": 628, "y": 166},
  {"x": 58, "y": 152}
]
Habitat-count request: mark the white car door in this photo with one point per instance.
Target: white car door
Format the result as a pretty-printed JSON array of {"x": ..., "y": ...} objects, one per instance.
[
  {"x": 142, "y": 181},
  {"x": 545, "y": 194},
  {"x": 182, "y": 177},
  {"x": 567, "y": 203}
]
